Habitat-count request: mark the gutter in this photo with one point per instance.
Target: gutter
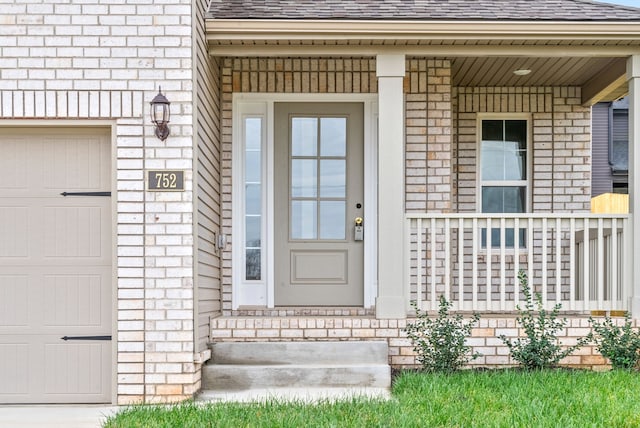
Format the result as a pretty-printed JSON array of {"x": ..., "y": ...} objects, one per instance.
[{"x": 276, "y": 29}]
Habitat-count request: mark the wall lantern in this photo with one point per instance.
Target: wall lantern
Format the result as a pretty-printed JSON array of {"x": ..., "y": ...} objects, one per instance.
[{"x": 160, "y": 115}]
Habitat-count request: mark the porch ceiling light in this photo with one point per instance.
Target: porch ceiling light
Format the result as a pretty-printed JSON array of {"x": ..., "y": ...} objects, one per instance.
[
  {"x": 522, "y": 72},
  {"x": 160, "y": 115}
]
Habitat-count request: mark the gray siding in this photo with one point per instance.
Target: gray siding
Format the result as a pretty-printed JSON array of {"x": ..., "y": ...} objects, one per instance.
[
  {"x": 207, "y": 112},
  {"x": 601, "y": 170}
]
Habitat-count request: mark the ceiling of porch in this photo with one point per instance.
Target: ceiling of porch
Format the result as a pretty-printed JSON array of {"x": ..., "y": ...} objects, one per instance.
[{"x": 594, "y": 61}]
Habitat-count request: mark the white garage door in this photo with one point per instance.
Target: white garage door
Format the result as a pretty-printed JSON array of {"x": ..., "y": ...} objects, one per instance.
[{"x": 55, "y": 266}]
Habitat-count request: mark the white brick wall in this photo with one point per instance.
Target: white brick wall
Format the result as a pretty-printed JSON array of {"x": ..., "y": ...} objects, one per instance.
[{"x": 104, "y": 59}]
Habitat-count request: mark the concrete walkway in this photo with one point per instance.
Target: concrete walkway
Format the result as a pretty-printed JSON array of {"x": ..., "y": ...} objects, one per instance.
[
  {"x": 93, "y": 416},
  {"x": 49, "y": 416}
]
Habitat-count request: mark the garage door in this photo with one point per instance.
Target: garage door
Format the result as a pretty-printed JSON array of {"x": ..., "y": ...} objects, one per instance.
[{"x": 55, "y": 266}]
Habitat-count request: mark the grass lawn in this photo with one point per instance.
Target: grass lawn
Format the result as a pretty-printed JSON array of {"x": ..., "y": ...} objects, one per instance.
[{"x": 501, "y": 398}]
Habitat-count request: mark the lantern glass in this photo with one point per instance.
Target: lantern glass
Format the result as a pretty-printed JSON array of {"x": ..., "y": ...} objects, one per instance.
[{"x": 160, "y": 109}]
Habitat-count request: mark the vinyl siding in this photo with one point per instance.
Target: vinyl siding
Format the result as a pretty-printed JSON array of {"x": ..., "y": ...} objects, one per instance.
[
  {"x": 207, "y": 110},
  {"x": 601, "y": 172}
]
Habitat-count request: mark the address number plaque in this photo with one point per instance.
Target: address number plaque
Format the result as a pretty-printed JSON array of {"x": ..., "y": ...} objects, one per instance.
[{"x": 165, "y": 181}]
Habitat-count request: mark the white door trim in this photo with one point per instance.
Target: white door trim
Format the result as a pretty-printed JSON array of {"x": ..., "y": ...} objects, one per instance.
[{"x": 261, "y": 293}]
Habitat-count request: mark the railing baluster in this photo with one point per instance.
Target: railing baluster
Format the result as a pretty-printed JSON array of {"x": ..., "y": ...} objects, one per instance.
[
  {"x": 572, "y": 263},
  {"x": 600, "y": 262},
  {"x": 530, "y": 253},
  {"x": 558, "y": 260},
  {"x": 419, "y": 265},
  {"x": 585, "y": 265},
  {"x": 447, "y": 259},
  {"x": 503, "y": 285},
  {"x": 460, "y": 263},
  {"x": 434, "y": 249},
  {"x": 474, "y": 264},
  {"x": 516, "y": 261},
  {"x": 488, "y": 264},
  {"x": 614, "y": 264},
  {"x": 544, "y": 262}
]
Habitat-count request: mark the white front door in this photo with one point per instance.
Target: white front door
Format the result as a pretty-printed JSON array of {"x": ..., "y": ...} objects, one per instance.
[
  {"x": 55, "y": 266},
  {"x": 318, "y": 195}
]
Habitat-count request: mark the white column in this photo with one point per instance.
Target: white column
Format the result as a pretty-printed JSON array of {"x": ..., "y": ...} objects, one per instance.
[
  {"x": 633, "y": 75},
  {"x": 391, "y": 301}
]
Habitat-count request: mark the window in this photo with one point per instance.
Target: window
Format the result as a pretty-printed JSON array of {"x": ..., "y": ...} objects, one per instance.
[
  {"x": 503, "y": 173},
  {"x": 253, "y": 197}
]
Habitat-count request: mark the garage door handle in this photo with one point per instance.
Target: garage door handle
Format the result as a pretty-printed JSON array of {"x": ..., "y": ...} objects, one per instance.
[
  {"x": 86, "y": 193},
  {"x": 65, "y": 338}
]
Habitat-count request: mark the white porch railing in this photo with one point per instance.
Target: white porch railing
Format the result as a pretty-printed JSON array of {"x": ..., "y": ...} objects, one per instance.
[{"x": 578, "y": 260}]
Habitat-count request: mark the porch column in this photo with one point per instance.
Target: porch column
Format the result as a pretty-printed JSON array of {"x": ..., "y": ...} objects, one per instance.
[
  {"x": 390, "y": 303},
  {"x": 633, "y": 75}
]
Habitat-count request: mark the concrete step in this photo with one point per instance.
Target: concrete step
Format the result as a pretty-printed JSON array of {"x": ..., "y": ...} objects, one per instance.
[
  {"x": 304, "y": 395},
  {"x": 236, "y": 366},
  {"x": 226, "y": 377},
  {"x": 272, "y": 353}
]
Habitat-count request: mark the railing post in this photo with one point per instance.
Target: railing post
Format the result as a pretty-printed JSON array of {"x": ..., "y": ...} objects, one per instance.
[
  {"x": 633, "y": 76},
  {"x": 391, "y": 301}
]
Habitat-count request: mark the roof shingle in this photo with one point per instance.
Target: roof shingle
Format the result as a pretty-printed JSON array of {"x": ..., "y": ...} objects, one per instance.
[{"x": 483, "y": 10}]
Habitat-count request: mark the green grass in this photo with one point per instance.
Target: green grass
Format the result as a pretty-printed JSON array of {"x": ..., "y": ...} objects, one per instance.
[{"x": 502, "y": 398}]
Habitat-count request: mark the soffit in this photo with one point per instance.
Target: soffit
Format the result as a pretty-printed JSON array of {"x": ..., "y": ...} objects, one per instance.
[{"x": 482, "y": 54}]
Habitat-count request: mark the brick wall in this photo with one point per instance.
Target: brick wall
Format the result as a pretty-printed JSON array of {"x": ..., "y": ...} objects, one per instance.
[
  {"x": 484, "y": 337},
  {"x": 561, "y": 146},
  {"x": 103, "y": 59},
  {"x": 428, "y": 130}
]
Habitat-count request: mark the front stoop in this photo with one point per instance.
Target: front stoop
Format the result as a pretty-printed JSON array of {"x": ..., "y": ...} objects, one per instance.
[{"x": 297, "y": 370}]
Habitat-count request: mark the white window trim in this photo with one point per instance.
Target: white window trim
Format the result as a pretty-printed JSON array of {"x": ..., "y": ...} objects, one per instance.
[
  {"x": 528, "y": 183},
  {"x": 261, "y": 293}
]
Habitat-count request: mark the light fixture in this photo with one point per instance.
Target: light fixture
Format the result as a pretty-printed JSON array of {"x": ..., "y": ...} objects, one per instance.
[
  {"x": 160, "y": 115},
  {"x": 522, "y": 72}
]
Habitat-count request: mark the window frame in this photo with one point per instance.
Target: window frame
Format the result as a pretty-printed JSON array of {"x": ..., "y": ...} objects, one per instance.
[{"x": 527, "y": 183}]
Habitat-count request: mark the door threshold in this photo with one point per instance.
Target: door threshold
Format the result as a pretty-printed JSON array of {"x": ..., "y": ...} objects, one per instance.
[{"x": 296, "y": 311}]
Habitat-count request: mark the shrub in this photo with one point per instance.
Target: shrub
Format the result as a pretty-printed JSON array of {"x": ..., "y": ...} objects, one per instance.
[
  {"x": 540, "y": 348},
  {"x": 619, "y": 344},
  {"x": 440, "y": 342}
]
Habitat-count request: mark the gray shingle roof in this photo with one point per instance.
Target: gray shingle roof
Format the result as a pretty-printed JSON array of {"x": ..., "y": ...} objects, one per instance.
[{"x": 528, "y": 10}]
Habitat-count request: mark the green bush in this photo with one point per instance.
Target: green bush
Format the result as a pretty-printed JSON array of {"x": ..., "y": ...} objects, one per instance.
[
  {"x": 540, "y": 348},
  {"x": 618, "y": 344},
  {"x": 440, "y": 342}
]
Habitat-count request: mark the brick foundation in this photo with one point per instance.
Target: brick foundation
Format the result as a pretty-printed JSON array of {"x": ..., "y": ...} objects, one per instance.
[{"x": 484, "y": 337}]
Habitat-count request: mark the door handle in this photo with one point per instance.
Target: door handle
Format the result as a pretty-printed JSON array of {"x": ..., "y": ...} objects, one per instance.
[{"x": 358, "y": 230}]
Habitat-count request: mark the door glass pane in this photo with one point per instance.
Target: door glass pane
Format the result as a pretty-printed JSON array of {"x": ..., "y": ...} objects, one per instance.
[
  {"x": 304, "y": 136},
  {"x": 304, "y": 178},
  {"x": 253, "y": 133},
  {"x": 254, "y": 200},
  {"x": 252, "y": 167},
  {"x": 333, "y": 178},
  {"x": 252, "y": 265},
  {"x": 252, "y": 231},
  {"x": 304, "y": 220},
  {"x": 333, "y": 136},
  {"x": 253, "y": 197},
  {"x": 332, "y": 220}
]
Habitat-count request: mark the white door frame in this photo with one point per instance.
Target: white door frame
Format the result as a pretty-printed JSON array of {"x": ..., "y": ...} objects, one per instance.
[{"x": 261, "y": 293}]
